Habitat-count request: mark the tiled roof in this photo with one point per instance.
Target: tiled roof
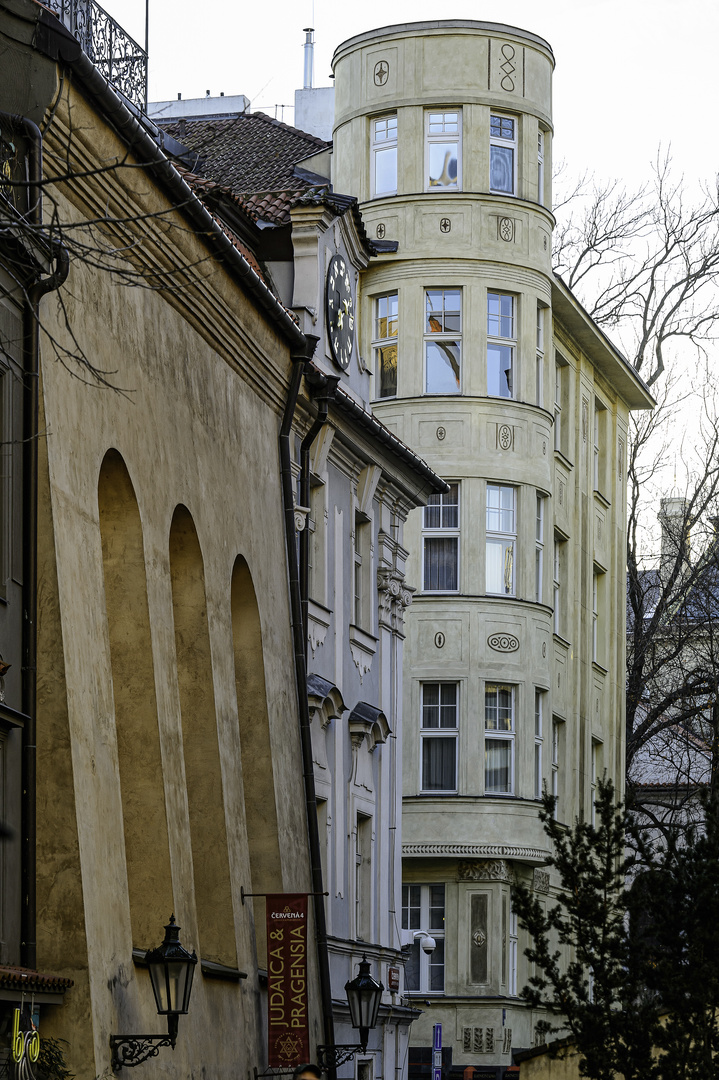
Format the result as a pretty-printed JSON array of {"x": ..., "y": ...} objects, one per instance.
[
  {"x": 250, "y": 152},
  {"x": 17, "y": 978}
]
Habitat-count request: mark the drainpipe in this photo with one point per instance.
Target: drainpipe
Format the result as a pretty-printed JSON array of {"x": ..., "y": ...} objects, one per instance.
[
  {"x": 31, "y": 378},
  {"x": 300, "y": 361},
  {"x": 324, "y": 388}
]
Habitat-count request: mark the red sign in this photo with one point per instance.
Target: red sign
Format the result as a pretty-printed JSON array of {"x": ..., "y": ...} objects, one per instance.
[{"x": 288, "y": 1037}]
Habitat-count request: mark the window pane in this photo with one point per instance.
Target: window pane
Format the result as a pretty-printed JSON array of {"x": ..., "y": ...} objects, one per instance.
[
  {"x": 442, "y": 375},
  {"x": 501, "y": 127},
  {"x": 439, "y": 705},
  {"x": 443, "y": 164},
  {"x": 436, "y": 967},
  {"x": 494, "y": 566},
  {"x": 501, "y": 168},
  {"x": 436, "y": 907},
  {"x": 385, "y": 170},
  {"x": 497, "y": 766},
  {"x": 499, "y": 370},
  {"x": 440, "y": 563},
  {"x": 450, "y": 508},
  {"x": 439, "y": 757},
  {"x": 411, "y": 968},
  {"x": 387, "y": 369},
  {"x": 433, "y": 512}
]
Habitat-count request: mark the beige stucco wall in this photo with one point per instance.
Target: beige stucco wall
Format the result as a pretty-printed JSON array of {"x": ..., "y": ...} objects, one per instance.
[
  {"x": 197, "y": 381},
  {"x": 477, "y": 241}
]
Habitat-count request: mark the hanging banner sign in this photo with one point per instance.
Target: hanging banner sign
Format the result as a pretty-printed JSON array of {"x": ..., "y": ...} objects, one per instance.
[{"x": 288, "y": 1036}]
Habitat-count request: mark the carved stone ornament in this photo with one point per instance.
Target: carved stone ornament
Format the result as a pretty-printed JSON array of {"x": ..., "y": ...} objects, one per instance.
[
  {"x": 381, "y": 72},
  {"x": 361, "y": 659},
  {"x": 301, "y": 514},
  {"x": 505, "y": 229},
  {"x": 508, "y": 66},
  {"x": 505, "y": 437},
  {"x": 426, "y": 850},
  {"x": 585, "y": 419},
  {"x": 540, "y": 883},
  {"x": 439, "y": 639},
  {"x": 479, "y": 938},
  {"x": 394, "y": 597},
  {"x": 485, "y": 870},
  {"x": 505, "y": 643},
  {"x": 441, "y": 433},
  {"x": 380, "y": 231},
  {"x": 445, "y": 225}
]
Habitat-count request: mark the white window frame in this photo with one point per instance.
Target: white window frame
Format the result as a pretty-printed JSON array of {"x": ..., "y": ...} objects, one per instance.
[
  {"x": 498, "y": 120},
  {"x": 505, "y": 538},
  {"x": 498, "y": 733},
  {"x": 426, "y": 916},
  {"x": 540, "y": 167},
  {"x": 446, "y": 503},
  {"x": 539, "y": 389},
  {"x": 440, "y": 731},
  {"x": 513, "y": 950},
  {"x": 538, "y": 740},
  {"x": 363, "y": 876},
  {"x": 539, "y": 549},
  {"x": 557, "y": 583},
  {"x": 555, "y": 764},
  {"x": 497, "y": 325},
  {"x": 442, "y": 119},
  {"x": 595, "y": 613},
  {"x": 381, "y": 140},
  {"x": 558, "y": 393},
  {"x": 597, "y": 475},
  {"x": 436, "y": 338},
  {"x": 362, "y": 564},
  {"x": 388, "y": 340}
]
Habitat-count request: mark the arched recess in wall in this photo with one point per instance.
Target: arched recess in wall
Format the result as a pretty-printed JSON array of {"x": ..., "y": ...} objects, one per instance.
[
  {"x": 257, "y": 775},
  {"x": 203, "y": 774},
  {"x": 147, "y": 850}
]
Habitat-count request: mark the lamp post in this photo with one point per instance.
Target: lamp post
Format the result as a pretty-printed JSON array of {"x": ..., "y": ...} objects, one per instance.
[
  {"x": 171, "y": 969},
  {"x": 364, "y": 995}
]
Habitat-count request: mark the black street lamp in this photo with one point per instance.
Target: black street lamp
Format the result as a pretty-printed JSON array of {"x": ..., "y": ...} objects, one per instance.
[
  {"x": 364, "y": 995},
  {"x": 171, "y": 969}
]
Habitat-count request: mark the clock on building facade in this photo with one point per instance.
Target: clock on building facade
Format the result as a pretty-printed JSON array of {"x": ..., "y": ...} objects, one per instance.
[{"x": 339, "y": 305}]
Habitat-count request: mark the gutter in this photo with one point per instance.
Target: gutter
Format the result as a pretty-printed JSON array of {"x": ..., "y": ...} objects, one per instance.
[
  {"x": 56, "y": 42},
  {"x": 31, "y": 380},
  {"x": 324, "y": 387},
  {"x": 300, "y": 361}
]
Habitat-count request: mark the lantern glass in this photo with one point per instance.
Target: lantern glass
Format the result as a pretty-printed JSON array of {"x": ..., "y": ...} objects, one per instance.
[
  {"x": 363, "y": 997},
  {"x": 171, "y": 971}
]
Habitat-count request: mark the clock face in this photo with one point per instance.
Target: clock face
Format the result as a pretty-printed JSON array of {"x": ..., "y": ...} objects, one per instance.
[{"x": 340, "y": 311}]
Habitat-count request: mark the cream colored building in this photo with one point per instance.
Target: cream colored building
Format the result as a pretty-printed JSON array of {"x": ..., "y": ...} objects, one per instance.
[{"x": 486, "y": 364}]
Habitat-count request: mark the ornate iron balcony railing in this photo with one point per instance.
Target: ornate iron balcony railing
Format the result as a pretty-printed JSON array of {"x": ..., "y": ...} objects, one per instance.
[{"x": 113, "y": 52}]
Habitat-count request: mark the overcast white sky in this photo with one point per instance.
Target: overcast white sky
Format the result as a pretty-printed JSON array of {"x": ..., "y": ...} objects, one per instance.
[{"x": 630, "y": 74}]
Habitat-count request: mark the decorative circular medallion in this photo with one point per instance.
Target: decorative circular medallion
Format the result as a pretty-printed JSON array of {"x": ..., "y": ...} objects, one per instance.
[
  {"x": 439, "y": 639},
  {"x": 381, "y": 72},
  {"x": 445, "y": 225},
  {"x": 544, "y": 650},
  {"x": 479, "y": 938},
  {"x": 504, "y": 436},
  {"x": 441, "y": 433},
  {"x": 339, "y": 305},
  {"x": 380, "y": 231},
  {"x": 506, "y": 229},
  {"x": 503, "y": 642}
]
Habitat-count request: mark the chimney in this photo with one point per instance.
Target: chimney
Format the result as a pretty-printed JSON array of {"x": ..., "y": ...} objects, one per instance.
[
  {"x": 675, "y": 535},
  {"x": 309, "y": 48}
]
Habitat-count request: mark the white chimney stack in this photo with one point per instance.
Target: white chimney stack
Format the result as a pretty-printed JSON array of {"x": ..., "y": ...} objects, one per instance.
[{"x": 309, "y": 48}]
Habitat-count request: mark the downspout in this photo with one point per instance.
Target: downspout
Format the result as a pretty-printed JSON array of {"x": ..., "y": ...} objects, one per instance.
[
  {"x": 324, "y": 387},
  {"x": 300, "y": 361},
  {"x": 31, "y": 379}
]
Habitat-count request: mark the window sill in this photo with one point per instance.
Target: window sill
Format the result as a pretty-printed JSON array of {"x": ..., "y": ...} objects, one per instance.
[
  {"x": 602, "y": 499},
  {"x": 599, "y": 668},
  {"x": 362, "y": 639},
  {"x": 563, "y": 459},
  {"x": 559, "y": 640}
]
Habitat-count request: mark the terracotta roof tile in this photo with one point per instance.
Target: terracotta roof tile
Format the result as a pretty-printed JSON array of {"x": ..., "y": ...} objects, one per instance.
[
  {"x": 12, "y": 978},
  {"x": 250, "y": 152}
]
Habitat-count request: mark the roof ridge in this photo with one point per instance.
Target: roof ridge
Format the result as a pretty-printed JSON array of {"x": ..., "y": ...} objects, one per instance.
[{"x": 289, "y": 127}]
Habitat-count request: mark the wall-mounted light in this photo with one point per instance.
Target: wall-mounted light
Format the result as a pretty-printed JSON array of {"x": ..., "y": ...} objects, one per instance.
[
  {"x": 171, "y": 969},
  {"x": 364, "y": 995}
]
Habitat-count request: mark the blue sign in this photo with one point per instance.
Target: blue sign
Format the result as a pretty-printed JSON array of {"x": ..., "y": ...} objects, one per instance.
[
  {"x": 437, "y": 1037},
  {"x": 437, "y": 1052}
]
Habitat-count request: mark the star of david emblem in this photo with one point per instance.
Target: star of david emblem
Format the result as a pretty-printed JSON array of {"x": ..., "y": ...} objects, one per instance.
[{"x": 288, "y": 1045}]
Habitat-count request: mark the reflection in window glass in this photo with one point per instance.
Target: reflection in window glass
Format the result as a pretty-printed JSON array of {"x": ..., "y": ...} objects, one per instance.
[
  {"x": 441, "y": 542},
  {"x": 502, "y": 147},
  {"x": 500, "y": 353},
  {"x": 384, "y": 344},
  {"x": 443, "y": 344},
  {"x": 498, "y": 750},
  {"x": 443, "y": 133},
  {"x": 501, "y": 532}
]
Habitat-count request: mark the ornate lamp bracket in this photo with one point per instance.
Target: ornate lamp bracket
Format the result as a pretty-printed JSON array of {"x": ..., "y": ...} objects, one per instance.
[
  {"x": 131, "y": 1050},
  {"x": 331, "y": 1057}
]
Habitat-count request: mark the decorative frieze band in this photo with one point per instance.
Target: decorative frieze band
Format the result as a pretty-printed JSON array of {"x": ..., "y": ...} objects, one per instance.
[{"x": 481, "y": 851}]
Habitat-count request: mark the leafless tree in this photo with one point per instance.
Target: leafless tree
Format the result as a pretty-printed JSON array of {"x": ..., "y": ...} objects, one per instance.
[{"x": 645, "y": 263}]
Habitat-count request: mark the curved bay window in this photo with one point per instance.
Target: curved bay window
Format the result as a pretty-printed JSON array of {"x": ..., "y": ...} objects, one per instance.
[
  {"x": 498, "y": 739},
  {"x": 441, "y": 542},
  {"x": 442, "y": 341},
  {"x": 439, "y": 737}
]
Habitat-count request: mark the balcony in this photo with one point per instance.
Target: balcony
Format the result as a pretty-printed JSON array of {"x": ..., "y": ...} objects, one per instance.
[{"x": 114, "y": 53}]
